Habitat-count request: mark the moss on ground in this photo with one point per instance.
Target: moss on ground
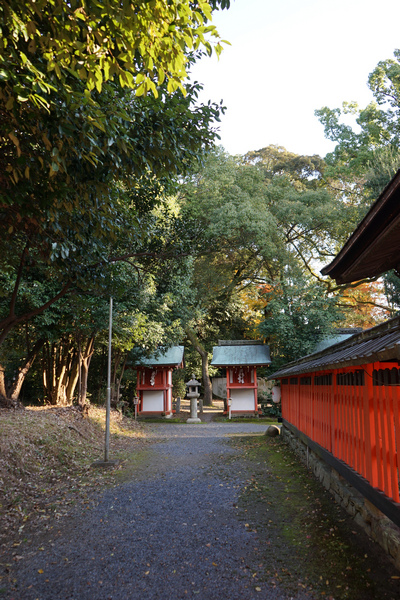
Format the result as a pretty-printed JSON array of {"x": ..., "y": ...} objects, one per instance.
[{"x": 307, "y": 541}]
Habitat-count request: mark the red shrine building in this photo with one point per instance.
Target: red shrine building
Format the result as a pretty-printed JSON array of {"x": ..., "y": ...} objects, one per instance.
[
  {"x": 154, "y": 381},
  {"x": 241, "y": 359},
  {"x": 343, "y": 403}
]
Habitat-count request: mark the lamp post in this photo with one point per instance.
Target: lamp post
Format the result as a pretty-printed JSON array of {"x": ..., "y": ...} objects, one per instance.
[
  {"x": 193, "y": 394},
  {"x": 108, "y": 400},
  {"x": 107, "y": 462}
]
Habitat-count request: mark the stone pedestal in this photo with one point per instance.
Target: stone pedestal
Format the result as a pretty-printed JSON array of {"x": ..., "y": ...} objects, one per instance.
[{"x": 193, "y": 408}]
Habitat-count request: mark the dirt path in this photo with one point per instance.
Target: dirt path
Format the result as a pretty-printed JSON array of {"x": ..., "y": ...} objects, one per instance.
[{"x": 204, "y": 514}]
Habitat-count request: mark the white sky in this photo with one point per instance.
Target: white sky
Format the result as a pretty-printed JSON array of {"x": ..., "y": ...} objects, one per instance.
[{"x": 289, "y": 58}]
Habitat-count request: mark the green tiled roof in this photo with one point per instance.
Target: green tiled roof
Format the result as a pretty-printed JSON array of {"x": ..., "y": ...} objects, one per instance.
[
  {"x": 165, "y": 357},
  {"x": 241, "y": 355}
]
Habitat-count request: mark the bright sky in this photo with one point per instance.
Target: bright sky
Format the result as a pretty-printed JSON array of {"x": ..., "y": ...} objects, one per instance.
[{"x": 289, "y": 58}]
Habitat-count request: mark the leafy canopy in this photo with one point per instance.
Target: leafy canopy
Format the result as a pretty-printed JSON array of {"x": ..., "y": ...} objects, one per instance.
[{"x": 139, "y": 43}]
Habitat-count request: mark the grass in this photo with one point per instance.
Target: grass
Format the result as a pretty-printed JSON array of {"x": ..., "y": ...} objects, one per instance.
[
  {"x": 257, "y": 420},
  {"x": 316, "y": 545}
]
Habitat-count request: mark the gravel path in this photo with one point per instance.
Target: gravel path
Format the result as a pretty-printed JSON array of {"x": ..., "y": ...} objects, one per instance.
[{"x": 173, "y": 532}]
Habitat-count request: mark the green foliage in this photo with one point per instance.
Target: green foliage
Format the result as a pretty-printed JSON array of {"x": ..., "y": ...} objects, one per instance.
[
  {"x": 391, "y": 284},
  {"x": 298, "y": 314},
  {"x": 269, "y": 408},
  {"x": 360, "y": 132},
  {"x": 264, "y": 221},
  {"x": 179, "y": 383},
  {"x": 139, "y": 44},
  {"x": 382, "y": 167},
  {"x": 366, "y": 156}
]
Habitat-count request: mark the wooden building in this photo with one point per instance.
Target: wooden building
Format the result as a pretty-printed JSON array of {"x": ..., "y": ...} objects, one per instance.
[
  {"x": 343, "y": 403},
  {"x": 154, "y": 381},
  {"x": 241, "y": 359},
  {"x": 346, "y": 399}
]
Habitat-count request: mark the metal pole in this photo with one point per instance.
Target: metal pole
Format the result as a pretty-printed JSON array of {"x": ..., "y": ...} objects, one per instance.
[{"x": 108, "y": 401}]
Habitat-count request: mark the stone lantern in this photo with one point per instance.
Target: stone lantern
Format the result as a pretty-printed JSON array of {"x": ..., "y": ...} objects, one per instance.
[{"x": 193, "y": 387}]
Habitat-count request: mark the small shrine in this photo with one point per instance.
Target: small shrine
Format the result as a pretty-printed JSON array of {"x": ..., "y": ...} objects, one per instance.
[
  {"x": 241, "y": 358},
  {"x": 154, "y": 381}
]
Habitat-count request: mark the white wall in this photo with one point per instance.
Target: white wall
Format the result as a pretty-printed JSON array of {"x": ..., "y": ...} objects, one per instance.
[
  {"x": 153, "y": 401},
  {"x": 242, "y": 400}
]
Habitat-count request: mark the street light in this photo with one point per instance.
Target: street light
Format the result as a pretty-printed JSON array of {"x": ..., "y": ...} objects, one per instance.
[
  {"x": 108, "y": 400},
  {"x": 107, "y": 462}
]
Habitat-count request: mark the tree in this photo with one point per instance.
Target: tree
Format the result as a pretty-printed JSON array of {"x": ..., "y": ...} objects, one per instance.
[
  {"x": 96, "y": 124},
  {"x": 298, "y": 314},
  {"x": 370, "y": 130},
  {"x": 258, "y": 218},
  {"x": 146, "y": 289},
  {"x": 139, "y": 43},
  {"x": 72, "y": 237},
  {"x": 365, "y": 159},
  {"x": 63, "y": 143}
]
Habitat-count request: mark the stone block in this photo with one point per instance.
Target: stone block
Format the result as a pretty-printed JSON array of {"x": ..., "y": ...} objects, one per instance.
[
  {"x": 393, "y": 543},
  {"x": 360, "y": 521},
  {"x": 375, "y": 512},
  {"x": 273, "y": 431},
  {"x": 381, "y": 538}
]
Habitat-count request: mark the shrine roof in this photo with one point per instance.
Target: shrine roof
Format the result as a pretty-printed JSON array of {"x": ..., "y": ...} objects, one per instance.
[
  {"x": 164, "y": 357},
  {"x": 241, "y": 354},
  {"x": 378, "y": 344}
]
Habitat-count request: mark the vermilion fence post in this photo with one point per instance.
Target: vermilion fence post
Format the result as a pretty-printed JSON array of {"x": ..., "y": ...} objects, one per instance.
[
  {"x": 344, "y": 424},
  {"x": 352, "y": 423},
  {"x": 332, "y": 413},
  {"x": 393, "y": 489},
  {"x": 358, "y": 421},
  {"x": 369, "y": 428}
]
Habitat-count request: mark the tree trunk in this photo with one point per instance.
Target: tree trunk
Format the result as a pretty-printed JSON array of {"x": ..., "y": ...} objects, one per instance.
[
  {"x": 119, "y": 379},
  {"x": 194, "y": 340},
  {"x": 85, "y": 359},
  {"x": 3, "y": 391},
  {"x": 23, "y": 370},
  {"x": 114, "y": 395},
  {"x": 4, "y": 401},
  {"x": 46, "y": 370},
  {"x": 73, "y": 378},
  {"x": 207, "y": 401},
  {"x": 57, "y": 366}
]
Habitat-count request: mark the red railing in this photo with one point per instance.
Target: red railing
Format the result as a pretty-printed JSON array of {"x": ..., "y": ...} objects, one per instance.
[{"x": 354, "y": 413}]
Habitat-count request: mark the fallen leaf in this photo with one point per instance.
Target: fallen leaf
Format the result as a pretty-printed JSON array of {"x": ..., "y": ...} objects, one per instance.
[{"x": 40, "y": 571}]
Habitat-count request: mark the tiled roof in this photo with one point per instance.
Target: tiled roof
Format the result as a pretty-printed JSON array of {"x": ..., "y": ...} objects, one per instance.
[
  {"x": 380, "y": 343},
  {"x": 241, "y": 355},
  {"x": 165, "y": 357}
]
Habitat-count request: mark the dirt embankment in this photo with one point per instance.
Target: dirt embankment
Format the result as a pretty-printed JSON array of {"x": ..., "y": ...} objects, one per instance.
[{"x": 45, "y": 461}]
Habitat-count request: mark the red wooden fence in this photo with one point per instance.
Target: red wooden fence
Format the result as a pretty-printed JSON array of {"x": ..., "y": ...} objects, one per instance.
[{"x": 354, "y": 413}]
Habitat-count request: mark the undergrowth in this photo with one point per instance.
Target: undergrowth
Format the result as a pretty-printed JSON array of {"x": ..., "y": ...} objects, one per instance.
[{"x": 45, "y": 460}]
